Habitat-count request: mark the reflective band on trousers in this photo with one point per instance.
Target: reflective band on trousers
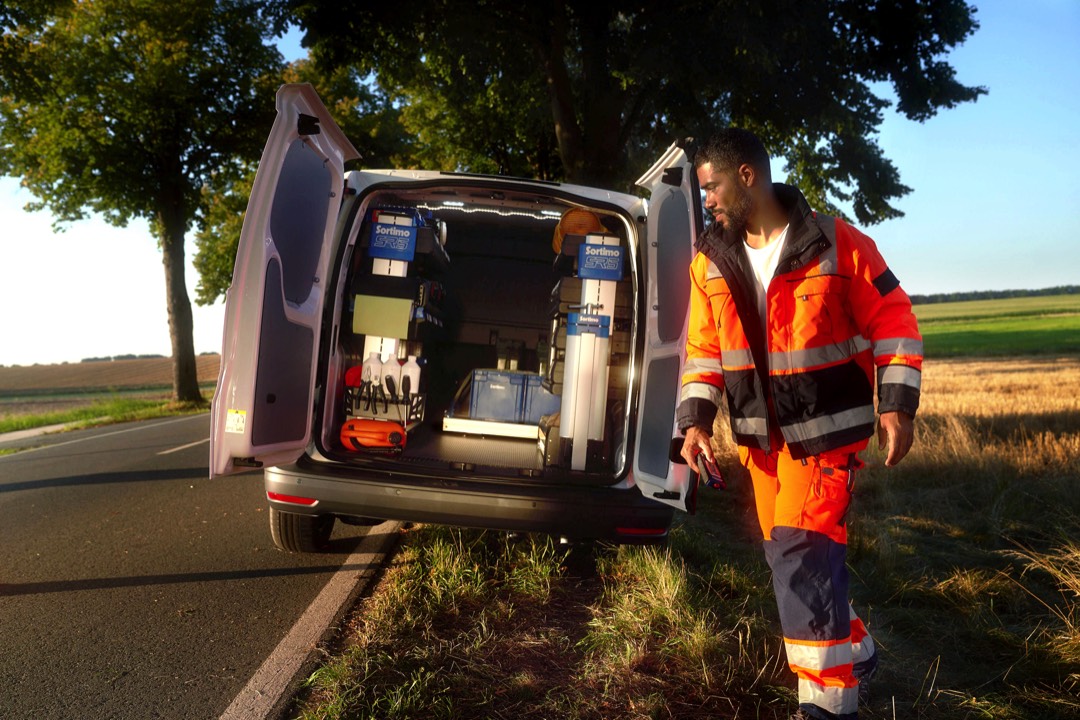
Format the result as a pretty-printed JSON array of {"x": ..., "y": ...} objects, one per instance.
[
  {"x": 819, "y": 427},
  {"x": 837, "y": 700},
  {"x": 813, "y": 357},
  {"x": 900, "y": 375},
  {"x": 818, "y": 656},
  {"x": 898, "y": 346}
]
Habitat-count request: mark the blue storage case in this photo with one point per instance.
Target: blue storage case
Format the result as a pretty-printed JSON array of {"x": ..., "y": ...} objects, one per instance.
[
  {"x": 497, "y": 395},
  {"x": 538, "y": 401}
]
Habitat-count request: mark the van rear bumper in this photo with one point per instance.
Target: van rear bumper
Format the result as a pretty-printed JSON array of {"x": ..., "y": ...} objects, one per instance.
[{"x": 575, "y": 512}]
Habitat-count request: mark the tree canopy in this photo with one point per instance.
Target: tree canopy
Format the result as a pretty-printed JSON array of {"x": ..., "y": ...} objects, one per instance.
[
  {"x": 362, "y": 111},
  {"x": 592, "y": 90},
  {"x": 128, "y": 108}
]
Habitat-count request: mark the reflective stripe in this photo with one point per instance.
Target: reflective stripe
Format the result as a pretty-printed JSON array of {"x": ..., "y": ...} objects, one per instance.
[
  {"x": 749, "y": 426},
  {"x": 837, "y": 700},
  {"x": 818, "y": 427},
  {"x": 899, "y": 375},
  {"x": 813, "y": 357},
  {"x": 702, "y": 391},
  {"x": 712, "y": 272},
  {"x": 702, "y": 365},
  {"x": 898, "y": 346},
  {"x": 818, "y": 656},
  {"x": 737, "y": 359}
]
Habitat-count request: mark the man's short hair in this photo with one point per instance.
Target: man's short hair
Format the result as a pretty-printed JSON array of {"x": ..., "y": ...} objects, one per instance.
[{"x": 732, "y": 147}]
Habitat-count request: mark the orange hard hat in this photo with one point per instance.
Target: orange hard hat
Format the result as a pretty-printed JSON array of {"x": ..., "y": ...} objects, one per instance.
[{"x": 575, "y": 221}]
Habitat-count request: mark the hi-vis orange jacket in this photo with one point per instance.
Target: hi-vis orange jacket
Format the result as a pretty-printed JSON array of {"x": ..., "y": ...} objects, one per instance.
[{"x": 837, "y": 318}]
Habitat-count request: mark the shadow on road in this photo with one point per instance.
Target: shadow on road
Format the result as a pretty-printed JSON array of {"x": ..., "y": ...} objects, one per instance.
[
  {"x": 54, "y": 586},
  {"x": 111, "y": 477}
]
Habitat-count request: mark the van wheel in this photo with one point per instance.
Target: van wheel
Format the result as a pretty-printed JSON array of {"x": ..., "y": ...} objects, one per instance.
[{"x": 300, "y": 533}]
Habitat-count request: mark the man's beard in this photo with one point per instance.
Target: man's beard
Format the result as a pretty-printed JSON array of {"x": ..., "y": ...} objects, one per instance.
[{"x": 735, "y": 218}]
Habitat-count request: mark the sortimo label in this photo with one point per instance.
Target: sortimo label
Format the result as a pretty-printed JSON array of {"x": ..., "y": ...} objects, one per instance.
[
  {"x": 600, "y": 262},
  {"x": 393, "y": 242}
]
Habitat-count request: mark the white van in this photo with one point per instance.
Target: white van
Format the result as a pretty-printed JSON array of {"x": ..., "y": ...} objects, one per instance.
[{"x": 452, "y": 348}]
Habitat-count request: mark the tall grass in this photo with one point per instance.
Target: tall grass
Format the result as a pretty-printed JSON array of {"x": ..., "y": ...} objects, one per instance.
[
  {"x": 964, "y": 559},
  {"x": 117, "y": 409}
]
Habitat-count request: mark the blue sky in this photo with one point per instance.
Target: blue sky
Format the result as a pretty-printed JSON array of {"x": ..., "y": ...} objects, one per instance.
[{"x": 995, "y": 205}]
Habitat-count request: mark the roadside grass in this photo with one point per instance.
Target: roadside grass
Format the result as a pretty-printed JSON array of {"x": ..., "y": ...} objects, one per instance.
[
  {"x": 1017, "y": 326},
  {"x": 100, "y": 412},
  {"x": 964, "y": 560}
]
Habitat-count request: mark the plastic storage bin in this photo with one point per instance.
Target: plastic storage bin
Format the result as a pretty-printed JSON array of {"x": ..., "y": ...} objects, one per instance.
[
  {"x": 538, "y": 401},
  {"x": 497, "y": 395}
]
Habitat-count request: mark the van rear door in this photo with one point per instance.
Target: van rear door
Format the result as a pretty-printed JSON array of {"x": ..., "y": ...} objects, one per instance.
[
  {"x": 674, "y": 220},
  {"x": 261, "y": 414}
]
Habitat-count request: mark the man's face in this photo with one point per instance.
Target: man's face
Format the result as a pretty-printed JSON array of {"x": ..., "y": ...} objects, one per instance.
[{"x": 726, "y": 198}]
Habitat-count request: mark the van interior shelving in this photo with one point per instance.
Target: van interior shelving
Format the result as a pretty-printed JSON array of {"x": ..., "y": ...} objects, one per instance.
[{"x": 486, "y": 308}]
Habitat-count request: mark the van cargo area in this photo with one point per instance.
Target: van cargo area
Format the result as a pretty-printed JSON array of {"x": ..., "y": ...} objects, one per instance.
[{"x": 484, "y": 331}]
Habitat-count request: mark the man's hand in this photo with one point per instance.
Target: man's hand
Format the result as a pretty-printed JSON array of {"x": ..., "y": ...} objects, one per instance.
[
  {"x": 697, "y": 440},
  {"x": 895, "y": 430}
]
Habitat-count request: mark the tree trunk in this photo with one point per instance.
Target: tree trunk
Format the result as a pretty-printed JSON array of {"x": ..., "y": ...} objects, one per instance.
[
  {"x": 181, "y": 327},
  {"x": 560, "y": 94}
]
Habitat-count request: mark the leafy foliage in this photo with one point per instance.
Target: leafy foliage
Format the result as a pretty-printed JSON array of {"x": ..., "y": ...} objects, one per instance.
[
  {"x": 366, "y": 115},
  {"x": 128, "y": 108},
  {"x": 604, "y": 86}
]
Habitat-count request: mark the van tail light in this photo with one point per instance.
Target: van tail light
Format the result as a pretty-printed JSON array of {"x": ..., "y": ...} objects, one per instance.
[{"x": 291, "y": 499}]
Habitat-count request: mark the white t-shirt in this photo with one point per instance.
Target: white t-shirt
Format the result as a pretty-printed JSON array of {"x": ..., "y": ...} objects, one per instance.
[{"x": 764, "y": 261}]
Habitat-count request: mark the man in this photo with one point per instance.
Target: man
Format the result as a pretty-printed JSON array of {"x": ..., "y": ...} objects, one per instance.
[{"x": 794, "y": 316}]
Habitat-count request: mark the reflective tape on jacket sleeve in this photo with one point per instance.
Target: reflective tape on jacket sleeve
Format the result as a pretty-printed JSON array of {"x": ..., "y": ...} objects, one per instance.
[
  {"x": 898, "y": 346},
  {"x": 900, "y": 375},
  {"x": 702, "y": 391}
]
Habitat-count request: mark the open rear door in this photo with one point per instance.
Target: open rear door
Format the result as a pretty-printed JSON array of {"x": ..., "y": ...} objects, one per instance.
[
  {"x": 261, "y": 414},
  {"x": 674, "y": 221}
]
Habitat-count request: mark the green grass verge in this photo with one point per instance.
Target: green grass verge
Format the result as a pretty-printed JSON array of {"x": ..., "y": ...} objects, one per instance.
[
  {"x": 1016, "y": 326},
  {"x": 100, "y": 412},
  {"x": 963, "y": 566}
]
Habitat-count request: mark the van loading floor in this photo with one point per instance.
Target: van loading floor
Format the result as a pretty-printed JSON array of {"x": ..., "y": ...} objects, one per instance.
[{"x": 439, "y": 447}]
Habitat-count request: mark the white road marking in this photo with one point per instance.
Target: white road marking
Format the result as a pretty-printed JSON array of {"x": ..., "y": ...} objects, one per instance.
[
  {"x": 103, "y": 435},
  {"x": 267, "y": 687},
  {"x": 184, "y": 447}
]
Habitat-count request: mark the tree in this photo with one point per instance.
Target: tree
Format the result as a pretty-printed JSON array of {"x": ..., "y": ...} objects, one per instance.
[
  {"x": 364, "y": 113},
  {"x": 618, "y": 81},
  {"x": 128, "y": 108}
]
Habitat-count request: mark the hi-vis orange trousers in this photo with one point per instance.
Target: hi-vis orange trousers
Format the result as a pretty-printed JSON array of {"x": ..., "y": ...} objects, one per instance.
[{"x": 802, "y": 506}]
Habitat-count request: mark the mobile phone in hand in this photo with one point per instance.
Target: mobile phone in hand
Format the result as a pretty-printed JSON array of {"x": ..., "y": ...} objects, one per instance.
[{"x": 709, "y": 474}]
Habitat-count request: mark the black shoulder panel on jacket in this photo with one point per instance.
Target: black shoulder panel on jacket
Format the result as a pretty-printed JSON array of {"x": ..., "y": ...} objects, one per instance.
[{"x": 886, "y": 282}]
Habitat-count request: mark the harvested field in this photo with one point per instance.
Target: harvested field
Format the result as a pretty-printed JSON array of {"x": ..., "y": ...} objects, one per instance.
[{"x": 104, "y": 375}]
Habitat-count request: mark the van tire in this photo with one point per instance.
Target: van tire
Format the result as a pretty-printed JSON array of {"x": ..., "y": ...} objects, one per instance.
[{"x": 300, "y": 533}]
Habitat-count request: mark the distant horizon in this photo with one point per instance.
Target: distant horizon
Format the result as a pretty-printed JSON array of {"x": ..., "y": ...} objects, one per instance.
[{"x": 922, "y": 297}]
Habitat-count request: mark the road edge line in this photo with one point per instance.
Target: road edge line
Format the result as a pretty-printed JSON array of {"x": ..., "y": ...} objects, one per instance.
[{"x": 264, "y": 695}]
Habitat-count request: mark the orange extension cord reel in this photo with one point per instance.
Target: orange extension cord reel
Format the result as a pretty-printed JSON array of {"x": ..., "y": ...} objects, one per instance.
[{"x": 365, "y": 434}]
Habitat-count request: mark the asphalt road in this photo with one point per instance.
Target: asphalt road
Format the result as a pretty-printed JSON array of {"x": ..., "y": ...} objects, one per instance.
[{"x": 131, "y": 586}]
